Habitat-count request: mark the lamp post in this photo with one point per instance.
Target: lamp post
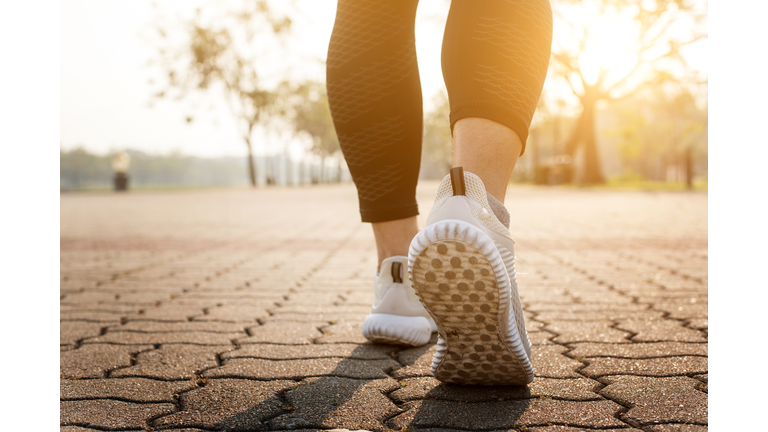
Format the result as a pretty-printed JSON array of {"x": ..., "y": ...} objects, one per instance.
[{"x": 120, "y": 164}]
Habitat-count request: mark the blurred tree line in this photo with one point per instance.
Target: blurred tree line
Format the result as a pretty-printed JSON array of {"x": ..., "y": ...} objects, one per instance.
[
  {"x": 640, "y": 122},
  {"x": 80, "y": 169}
]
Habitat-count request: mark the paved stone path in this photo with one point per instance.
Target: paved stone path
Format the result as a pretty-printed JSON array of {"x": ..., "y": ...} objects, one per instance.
[{"x": 242, "y": 309}]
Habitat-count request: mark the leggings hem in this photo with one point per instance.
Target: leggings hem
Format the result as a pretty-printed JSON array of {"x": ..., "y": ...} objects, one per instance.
[
  {"x": 494, "y": 112},
  {"x": 387, "y": 215}
]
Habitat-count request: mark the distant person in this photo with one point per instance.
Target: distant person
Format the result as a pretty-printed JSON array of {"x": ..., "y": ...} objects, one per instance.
[{"x": 462, "y": 265}]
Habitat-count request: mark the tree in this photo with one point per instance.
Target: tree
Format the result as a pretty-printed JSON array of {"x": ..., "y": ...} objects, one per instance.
[
  {"x": 436, "y": 144},
  {"x": 594, "y": 60},
  {"x": 219, "y": 51},
  {"x": 309, "y": 114},
  {"x": 660, "y": 132}
]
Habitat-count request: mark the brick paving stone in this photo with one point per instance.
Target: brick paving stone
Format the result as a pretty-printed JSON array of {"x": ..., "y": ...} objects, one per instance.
[
  {"x": 130, "y": 389},
  {"x": 197, "y": 305},
  {"x": 337, "y": 311},
  {"x": 329, "y": 402},
  {"x": 553, "y": 428},
  {"x": 75, "y": 429},
  {"x": 144, "y": 298},
  {"x": 676, "y": 428},
  {"x": 229, "y": 404},
  {"x": 569, "y": 429},
  {"x": 174, "y": 361},
  {"x": 416, "y": 361},
  {"x": 184, "y": 326},
  {"x": 111, "y": 414},
  {"x": 167, "y": 312},
  {"x": 283, "y": 333},
  {"x": 317, "y": 299},
  {"x": 115, "y": 308},
  {"x": 602, "y": 296},
  {"x": 343, "y": 332},
  {"x": 268, "y": 298},
  {"x": 290, "y": 352},
  {"x": 359, "y": 297},
  {"x": 607, "y": 315},
  {"x": 655, "y": 330},
  {"x": 190, "y": 337},
  {"x": 665, "y": 366},
  {"x": 548, "y": 361},
  {"x": 296, "y": 369},
  {"x": 70, "y": 332},
  {"x": 692, "y": 296},
  {"x": 94, "y": 360},
  {"x": 658, "y": 400},
  {"x": 94, "y": 316},
  {"x": 535, "y": 293},
  {"x": 683, "y": 310},
  {"x": 235, "y": 313},
  {"x": 88, "y": 297},
  {"x": 635, "y": 287},
  {"x": 429, "y": 388},
  {"x": 585, "y": 308},
  {"x": 532, "y": 325},
  {"x": 540, "y": 338},
  {"x": 637, "y": 350},
  {"x": 586, "y": 331},
  {"x": 673, "y": 282},
  {"x": 699, "y": 323},
  {"x": 279, "y": 316},
  {"x": 506, "y": 414}
]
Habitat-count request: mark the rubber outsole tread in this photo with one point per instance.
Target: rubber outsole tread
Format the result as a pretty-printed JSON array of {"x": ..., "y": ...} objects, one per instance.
[{"x": 465, "y": 292}]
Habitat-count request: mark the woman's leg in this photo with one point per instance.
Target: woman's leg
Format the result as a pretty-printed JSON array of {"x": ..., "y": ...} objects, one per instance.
[
  {"x": 495, "y": 58},
  {"x": 374, "y": 93}
]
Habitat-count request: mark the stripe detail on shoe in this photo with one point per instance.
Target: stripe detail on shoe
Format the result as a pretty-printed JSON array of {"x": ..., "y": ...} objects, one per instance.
[
  {"x": 460, "y": 278},
  {"x": 396, "y": 272},
  {"x": 457, "y": 181}
]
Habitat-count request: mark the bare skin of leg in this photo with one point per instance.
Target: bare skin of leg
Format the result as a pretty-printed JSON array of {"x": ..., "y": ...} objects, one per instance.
[
  {"x": 394, "y": 237},
  {"x": 487, "y": 149},
  {"x": 483, "y": 147}
]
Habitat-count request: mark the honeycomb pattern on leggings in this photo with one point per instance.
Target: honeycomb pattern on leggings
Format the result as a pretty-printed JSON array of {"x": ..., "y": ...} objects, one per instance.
[{"x": 457, "y": 285}]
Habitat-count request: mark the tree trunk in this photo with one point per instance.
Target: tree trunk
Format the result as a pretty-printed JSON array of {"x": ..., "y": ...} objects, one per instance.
[
  {"x": 689, "y": 167},
  {"x": 584, "y": 134},
  {"x": 251, "y": 166},
  {"x": 592, "y": 171}
]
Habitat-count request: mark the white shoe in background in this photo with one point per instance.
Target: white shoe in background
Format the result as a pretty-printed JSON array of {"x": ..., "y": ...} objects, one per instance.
[{"x": 397, "y": 316}]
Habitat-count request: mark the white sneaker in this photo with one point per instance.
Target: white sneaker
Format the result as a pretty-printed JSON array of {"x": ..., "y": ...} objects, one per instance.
[
  {"x": 462, "y": 266},
  {"x": 397, "y": 317}
]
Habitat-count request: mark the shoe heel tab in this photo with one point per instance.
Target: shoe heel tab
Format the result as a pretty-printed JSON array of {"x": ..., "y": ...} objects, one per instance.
[
  {"x": 396, "y": 272},
  {"x": 457, "y": 181}
]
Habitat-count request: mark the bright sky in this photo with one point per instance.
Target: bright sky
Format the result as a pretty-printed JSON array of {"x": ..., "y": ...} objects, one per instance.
[
  {"x": 104, "y": 77},
  {"x": 105, "y": 94}
]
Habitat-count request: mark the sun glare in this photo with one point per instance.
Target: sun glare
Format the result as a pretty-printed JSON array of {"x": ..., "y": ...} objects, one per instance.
[{"x": 603, "y": 41}]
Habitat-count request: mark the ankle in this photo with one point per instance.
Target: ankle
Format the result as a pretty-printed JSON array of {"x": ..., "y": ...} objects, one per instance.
[
  {"x": 393, "y": 238},
  {"x": 487, "y": 149}
]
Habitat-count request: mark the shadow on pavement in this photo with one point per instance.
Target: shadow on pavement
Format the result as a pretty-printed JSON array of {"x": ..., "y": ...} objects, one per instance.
[{"x": 361, "y": 392}]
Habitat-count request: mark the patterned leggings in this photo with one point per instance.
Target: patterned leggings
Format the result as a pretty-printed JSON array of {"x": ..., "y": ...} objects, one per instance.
[{"x": 494, "y": 59}]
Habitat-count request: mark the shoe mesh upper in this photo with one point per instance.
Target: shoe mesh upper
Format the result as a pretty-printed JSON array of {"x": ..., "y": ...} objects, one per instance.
[
  {"x": 474, "y": 189},
  {"x": 383, "y": 280}
]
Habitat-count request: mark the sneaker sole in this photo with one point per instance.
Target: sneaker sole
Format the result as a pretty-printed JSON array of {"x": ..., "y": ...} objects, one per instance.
[
  {"x": 461, "y": 280},
  {"x": 396, "y": 329}
]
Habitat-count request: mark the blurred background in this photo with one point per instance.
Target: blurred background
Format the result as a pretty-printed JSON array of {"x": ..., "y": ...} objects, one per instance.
[{"x": 195, "y": 93}]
